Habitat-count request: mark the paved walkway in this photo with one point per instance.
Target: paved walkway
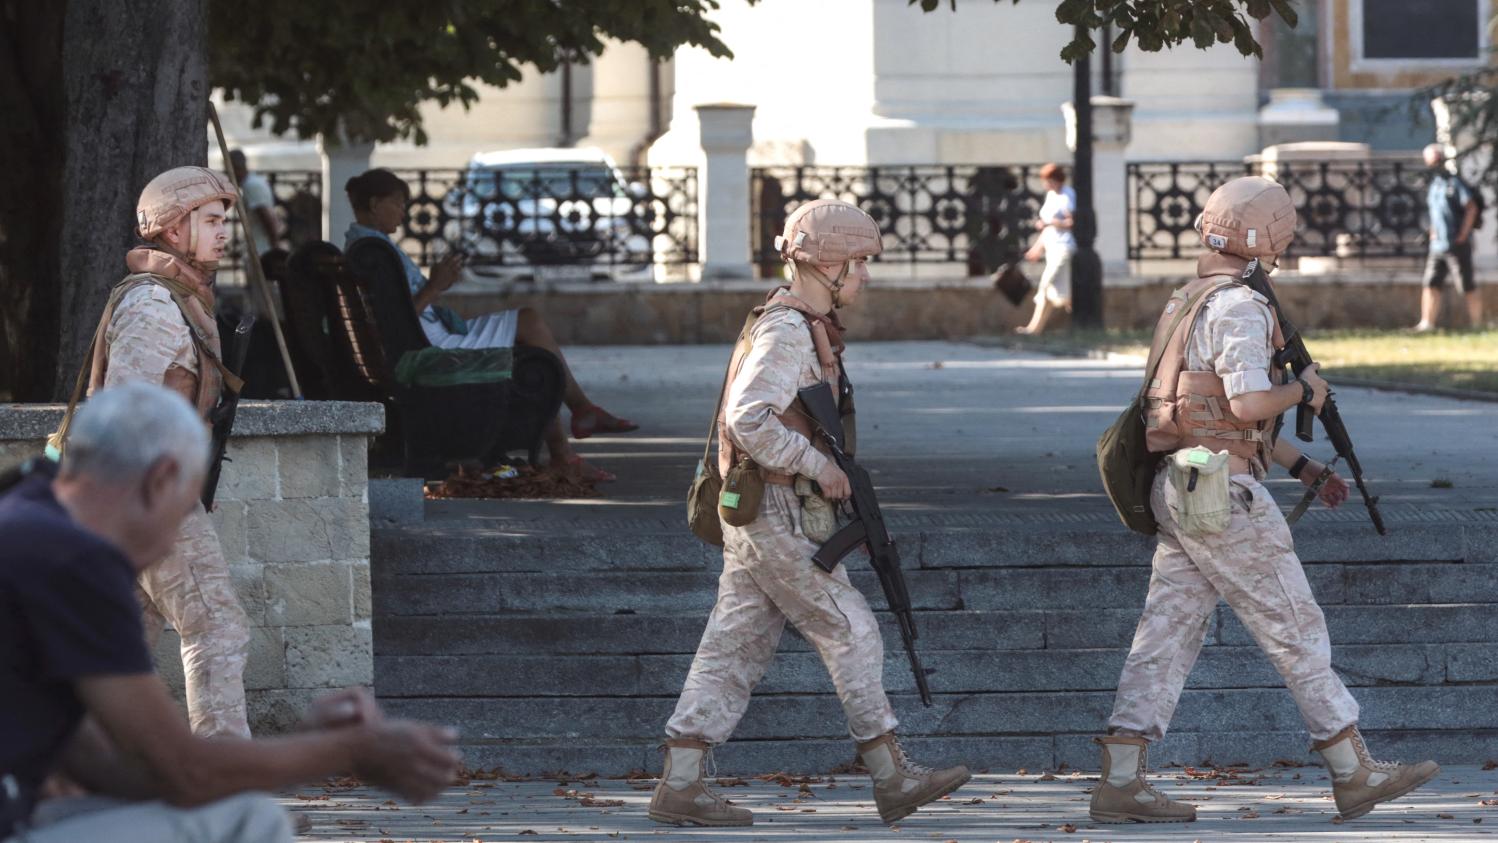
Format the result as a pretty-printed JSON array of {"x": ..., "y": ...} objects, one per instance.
[
  {"x": 958, "y": 429},
  {"x": 1278, "y": 804}
]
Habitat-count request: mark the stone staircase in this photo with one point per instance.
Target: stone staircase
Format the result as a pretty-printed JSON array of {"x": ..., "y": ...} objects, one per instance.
[{"x": 563, "y": 646}]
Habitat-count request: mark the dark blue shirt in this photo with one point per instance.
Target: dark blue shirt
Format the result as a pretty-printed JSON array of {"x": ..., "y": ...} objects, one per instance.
[{"x": 67, "y": 610}]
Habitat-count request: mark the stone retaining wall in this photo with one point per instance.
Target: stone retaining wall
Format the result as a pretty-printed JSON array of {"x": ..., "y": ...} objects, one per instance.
[
  {"x": 603, "y": 313},
  {"x": 293, "y": 517}
]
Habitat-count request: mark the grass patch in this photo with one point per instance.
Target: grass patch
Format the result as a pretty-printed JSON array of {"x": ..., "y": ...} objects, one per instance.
[{"x": 1449, "y": 359}]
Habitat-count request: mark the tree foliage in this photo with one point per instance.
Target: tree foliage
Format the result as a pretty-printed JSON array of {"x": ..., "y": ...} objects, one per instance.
[
  {"x": 360, "y": 71},
  {"x": 1158, "y": 24},
  {"x": 1472, "y": 102}
]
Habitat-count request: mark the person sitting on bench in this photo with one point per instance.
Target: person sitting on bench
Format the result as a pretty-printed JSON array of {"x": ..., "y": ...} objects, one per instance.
[{"x": 379, "y": 198}]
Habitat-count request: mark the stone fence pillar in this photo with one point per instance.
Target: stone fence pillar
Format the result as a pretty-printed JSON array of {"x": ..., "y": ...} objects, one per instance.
[
  {"x": 340, "y": 162},
  {"x": 292, "y": 516},
  {"x": 723, "y": 211}
]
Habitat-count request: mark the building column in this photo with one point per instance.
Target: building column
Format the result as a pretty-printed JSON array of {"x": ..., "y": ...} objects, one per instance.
[
  {"x": 340, "y": 162},
  {"x": 723, "y": 221}
]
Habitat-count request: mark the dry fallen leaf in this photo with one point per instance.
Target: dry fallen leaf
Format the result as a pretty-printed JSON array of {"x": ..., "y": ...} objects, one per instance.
[{"x": 1068, "y": 828}]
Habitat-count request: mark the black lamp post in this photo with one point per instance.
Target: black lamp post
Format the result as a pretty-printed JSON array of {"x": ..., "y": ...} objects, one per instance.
[{"x": 1086, "y": 268}]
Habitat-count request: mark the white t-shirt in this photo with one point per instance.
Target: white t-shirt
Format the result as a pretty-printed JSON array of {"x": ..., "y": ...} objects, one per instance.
[
  {"x": 1056, "y": 206},
  {"x": 257, "y": 194}
]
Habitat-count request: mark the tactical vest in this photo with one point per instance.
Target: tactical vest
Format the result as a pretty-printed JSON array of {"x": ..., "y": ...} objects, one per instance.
[
  {"x": 1185, "y": 407},
  {"x": 829, "y": 357},
  {"x": 212, "y": 373}
]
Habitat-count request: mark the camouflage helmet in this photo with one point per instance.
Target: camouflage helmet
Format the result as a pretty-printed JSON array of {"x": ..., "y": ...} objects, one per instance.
[
  {"x": 1251, "y": 217},
  {"x": 829, "y": 231},
  {"x": 175, "y": 194}
]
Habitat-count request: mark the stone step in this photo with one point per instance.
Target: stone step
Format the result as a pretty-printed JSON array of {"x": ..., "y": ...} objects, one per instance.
[
  {"x": 983, "y": 753},
  {"x": 649, "y": 592},
  {"x": 788, "y": 717},
  {"x": 436, "y": 547},
  {"x": 566, "y": 635},
  {"x": 951, "y": 671}
]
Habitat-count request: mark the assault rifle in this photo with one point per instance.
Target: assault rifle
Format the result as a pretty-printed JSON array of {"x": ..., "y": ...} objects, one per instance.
[
  {"x": 866, "y": 530},
  {"x": 1295, "y": 355}
]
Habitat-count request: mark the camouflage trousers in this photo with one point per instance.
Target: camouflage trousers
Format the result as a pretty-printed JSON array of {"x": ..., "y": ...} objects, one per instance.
[
  {"x": 191, "y": 589},
  {"x": 1253, "y": 567},
  {"x": 769, "y": 578}
]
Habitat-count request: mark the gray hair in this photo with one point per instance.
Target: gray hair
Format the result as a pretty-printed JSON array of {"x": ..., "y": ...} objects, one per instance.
[{"x": 122, "y": 431}]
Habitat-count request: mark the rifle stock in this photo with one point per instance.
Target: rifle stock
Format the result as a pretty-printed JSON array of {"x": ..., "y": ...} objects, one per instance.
[{"x": 867, "y": 529}]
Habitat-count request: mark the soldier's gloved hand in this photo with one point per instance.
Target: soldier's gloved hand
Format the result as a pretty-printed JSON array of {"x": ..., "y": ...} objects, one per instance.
[
  {"x": 349, "y": 707},
  {"x": 834, "y": 483},
  {"x": 1319, "y": 387},
  {"x": 414, "y": 760}
]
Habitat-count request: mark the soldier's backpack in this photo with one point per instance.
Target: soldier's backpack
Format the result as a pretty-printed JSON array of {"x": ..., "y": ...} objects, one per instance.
[{"x": 1124, "y": 460}]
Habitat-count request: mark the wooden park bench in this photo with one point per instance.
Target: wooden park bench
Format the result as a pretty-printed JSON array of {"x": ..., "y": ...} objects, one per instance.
[{"x": 350, "y": 323}]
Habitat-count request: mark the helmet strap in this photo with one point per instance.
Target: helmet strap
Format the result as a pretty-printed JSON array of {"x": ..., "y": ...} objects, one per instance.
[{"x": 833, "y": 285}]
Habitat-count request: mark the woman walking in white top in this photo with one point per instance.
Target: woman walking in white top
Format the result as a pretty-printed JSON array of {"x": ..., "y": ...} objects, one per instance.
[{"x": 1056, "y": 245}]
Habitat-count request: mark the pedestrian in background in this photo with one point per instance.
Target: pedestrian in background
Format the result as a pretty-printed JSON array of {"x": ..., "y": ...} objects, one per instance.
[
  {"x": 1454, "y": 214},
  {"x": 1055, "y": 246}
]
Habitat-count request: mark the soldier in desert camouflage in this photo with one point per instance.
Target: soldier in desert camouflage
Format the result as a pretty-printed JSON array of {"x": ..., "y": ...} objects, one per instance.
[
  {"x": 159, "y": 328},
  {"x": 768, "y": 574},
  {"x": 1218, "y": 388}
]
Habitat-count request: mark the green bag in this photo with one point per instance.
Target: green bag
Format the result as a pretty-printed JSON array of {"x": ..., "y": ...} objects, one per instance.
[{"x": 433, "y": 366}]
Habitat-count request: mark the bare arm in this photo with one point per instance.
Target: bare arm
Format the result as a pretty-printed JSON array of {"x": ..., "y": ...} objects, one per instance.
[
  {"x": 1469, "y": 221},
  {"x": 439, "y": 280},
  {"x": 91, "y": 760},
  {"x": 139, "y": 718},
  {"x": 1266, "y": 404}
]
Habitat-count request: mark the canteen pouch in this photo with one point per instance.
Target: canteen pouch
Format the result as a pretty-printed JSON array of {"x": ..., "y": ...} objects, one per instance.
[
  {"x": 702, "y": 503},
  {"x": 818, "y": 515},
  {"x": 1199, "y": 477},
  {"x": 743, "y": 491}
]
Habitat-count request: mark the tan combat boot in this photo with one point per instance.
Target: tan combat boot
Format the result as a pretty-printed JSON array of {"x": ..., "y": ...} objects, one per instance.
[
  {"x": 1359, "y": 782},
  {"x": 901, "y": 787},
  {"x": 1122, "y": 795},
  {"x": 682, "y": 798}
]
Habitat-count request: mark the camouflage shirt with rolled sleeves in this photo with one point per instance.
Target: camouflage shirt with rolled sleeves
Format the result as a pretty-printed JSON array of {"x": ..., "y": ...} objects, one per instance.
[
  {"x": 146, "y": 337},
  {"x": 1233, "y": 338},
  {"x": 781, "y": 361}
]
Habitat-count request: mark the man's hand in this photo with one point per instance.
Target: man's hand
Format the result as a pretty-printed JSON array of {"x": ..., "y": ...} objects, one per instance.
[
  {"x": 446, "y": 273},
  {"x": 414, "y": 760},
  {"x": 834, "y": 483},
  {"x": 1319, "y": 387},
  {"x": 349, "y": 707},
  {"x": 1333, "y": 492}
]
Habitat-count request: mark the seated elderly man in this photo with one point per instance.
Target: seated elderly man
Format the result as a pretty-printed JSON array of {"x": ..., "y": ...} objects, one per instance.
[{"x": 80, "y": 697}]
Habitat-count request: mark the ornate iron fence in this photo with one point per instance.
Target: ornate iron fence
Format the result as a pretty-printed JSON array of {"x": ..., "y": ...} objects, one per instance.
[
  {"x": 514, "y": 220},
  {"x": 298, "y": 203},
  {"x": 1359, "y": 208},
  {"x": 978, "y": 215}
]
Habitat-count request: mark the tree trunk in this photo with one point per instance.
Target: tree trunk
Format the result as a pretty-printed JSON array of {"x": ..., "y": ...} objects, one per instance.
[
  {"x": 98, "y": 97},
  {"x": 135, "y": 81},
  {"x": 30, "y": 205}
]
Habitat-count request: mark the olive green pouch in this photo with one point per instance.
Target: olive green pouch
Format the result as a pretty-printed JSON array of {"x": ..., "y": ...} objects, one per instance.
[
  {"x": 1200, "y": 479},
  {"x": 743, "y": 492}
]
